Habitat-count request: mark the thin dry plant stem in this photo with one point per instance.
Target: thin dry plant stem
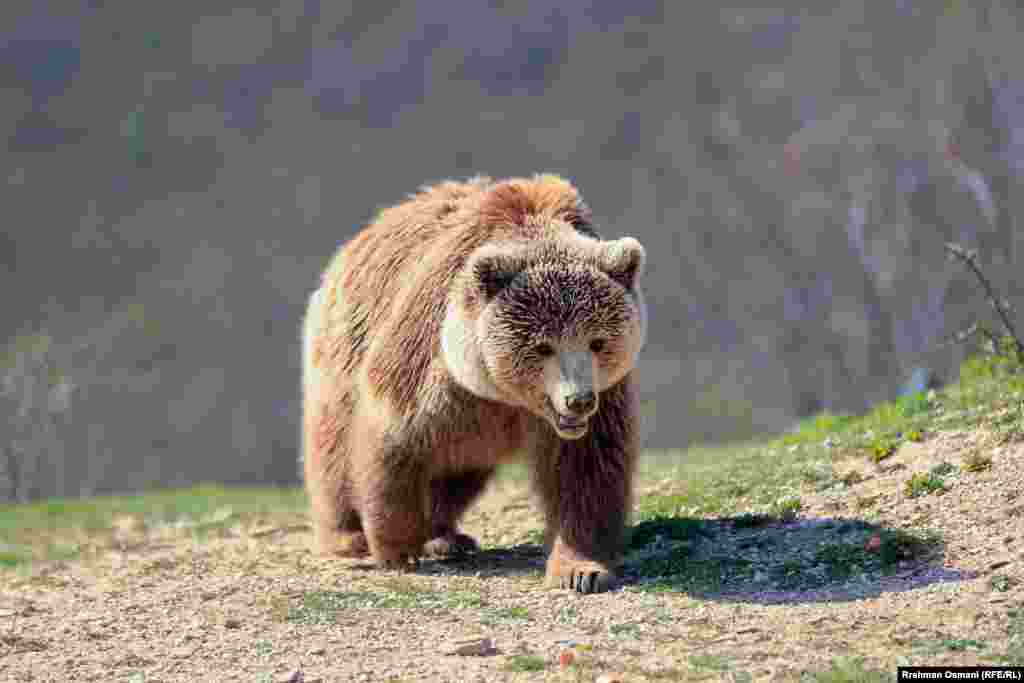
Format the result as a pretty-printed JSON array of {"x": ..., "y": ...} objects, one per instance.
[{"x": 970, "y": 258}]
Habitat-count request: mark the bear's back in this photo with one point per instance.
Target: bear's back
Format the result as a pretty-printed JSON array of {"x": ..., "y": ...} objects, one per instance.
[{"x": 389, "y": 286}]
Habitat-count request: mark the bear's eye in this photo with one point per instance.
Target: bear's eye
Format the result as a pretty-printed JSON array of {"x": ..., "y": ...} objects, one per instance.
[
  {"x": 597, "y": 346},
  {"x": 544, "y": 350}
]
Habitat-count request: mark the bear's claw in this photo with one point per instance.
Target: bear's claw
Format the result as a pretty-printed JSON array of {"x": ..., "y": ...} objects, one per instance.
[
  {"x": 584, "y": 577},
  {"x": 587, "y": 581}
]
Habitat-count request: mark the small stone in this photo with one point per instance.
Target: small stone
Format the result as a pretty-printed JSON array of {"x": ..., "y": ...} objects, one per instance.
[
  {"x": 232, "y": 623},
  {"x": 474, "y": 647},
  {"x": 609, "y": 678},
  {"x": 1000, "y": 563},
  {"x": 297, "y": 677},
  {"x": 182, "y": 652},
  {"x": 317, "y": 651}
]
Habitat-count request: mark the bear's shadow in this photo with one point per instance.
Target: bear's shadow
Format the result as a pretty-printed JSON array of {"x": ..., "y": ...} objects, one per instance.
[
  {"x": 749, "y": 559},
  {"x": 516, "y": 560}
]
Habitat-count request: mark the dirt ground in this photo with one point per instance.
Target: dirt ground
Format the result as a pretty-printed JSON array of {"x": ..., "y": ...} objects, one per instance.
[{"x": 253, "y": 604}]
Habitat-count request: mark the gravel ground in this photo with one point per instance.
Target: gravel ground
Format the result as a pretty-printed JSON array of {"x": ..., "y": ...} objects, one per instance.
[{"x": 253, "y": 604}]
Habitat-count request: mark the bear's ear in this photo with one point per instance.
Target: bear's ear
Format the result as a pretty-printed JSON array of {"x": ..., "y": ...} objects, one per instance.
[
  {"x": 623, "y": 261},
  {"x": 494, "y": 270}
]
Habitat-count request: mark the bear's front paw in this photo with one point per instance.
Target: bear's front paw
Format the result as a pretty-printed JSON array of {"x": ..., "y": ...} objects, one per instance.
[
  {"x": 581, "y": 576},
  {"x": 451, "y": 545}
]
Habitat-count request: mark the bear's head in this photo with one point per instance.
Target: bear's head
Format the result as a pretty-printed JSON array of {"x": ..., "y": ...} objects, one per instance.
[{"x": 547, "y": 325}]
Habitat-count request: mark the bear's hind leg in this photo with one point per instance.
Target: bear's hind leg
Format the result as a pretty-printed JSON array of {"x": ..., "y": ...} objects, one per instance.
[
  {"x": 393, "y": 489},
  {"x": 326, "y": 414},
  {"x": 344, "y": 538},
  {"x": 337, "y": 528},
  {"x": 450, "y": 497}
]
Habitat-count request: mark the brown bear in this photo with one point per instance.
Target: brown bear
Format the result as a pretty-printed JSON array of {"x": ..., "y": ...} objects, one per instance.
[{"x": 472, "y": 324}]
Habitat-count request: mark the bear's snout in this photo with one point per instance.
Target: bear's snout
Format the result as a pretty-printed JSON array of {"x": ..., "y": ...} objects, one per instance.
[{"x": 582, "y": 403}]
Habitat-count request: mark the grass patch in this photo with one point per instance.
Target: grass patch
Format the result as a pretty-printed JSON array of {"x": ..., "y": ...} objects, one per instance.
[
  {"x": 1003, "y": 583},
  {"x": 786, "y": 508},
  {"x": 534, "y": 536},
  {"x": 625, "y": 629},
  {"x": 65, "y": 528},
  {"x": 923, "y": 484},
  {"x": 14, "y": 556},
  {"x": 851, "y": 670},
  {"x": 324, "y": 607},
  {"x": 710, "y": 662},
  {"x": 507, "y": 614},
  {"x": 882, "y": 448},
  {"x": 718, "y": 481},
  {"x": 525, "y": 663},
  {"x": 1015, "y": 629},
  {"x": 913, "y": 404},
  {"x": 977, "y": 461},
  {"x": 952, "y": 645},
  {"x": 196, "y": 503}
]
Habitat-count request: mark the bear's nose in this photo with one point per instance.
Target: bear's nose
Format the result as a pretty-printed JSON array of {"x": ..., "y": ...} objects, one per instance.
[{"x": 582, "y": 403}]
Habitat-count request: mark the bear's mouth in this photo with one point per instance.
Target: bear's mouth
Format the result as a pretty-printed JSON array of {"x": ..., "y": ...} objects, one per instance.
[{"x": 567, "y": 426}]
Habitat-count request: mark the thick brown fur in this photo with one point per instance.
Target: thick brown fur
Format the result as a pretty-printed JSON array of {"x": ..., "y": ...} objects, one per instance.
[{"x": 396, "y": 448}]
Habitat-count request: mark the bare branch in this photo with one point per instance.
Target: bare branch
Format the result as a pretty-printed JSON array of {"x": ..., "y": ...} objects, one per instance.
[{"x": 970, "y": 258}]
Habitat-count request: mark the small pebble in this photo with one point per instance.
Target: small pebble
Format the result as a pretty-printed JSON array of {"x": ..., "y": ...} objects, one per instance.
[
  {"x": 474, "y": 647},
  {"x": 874, "y": 544}
]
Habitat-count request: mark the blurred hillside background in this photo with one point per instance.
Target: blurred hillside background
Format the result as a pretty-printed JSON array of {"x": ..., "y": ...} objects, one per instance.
[{"x": 176, "y": 175}]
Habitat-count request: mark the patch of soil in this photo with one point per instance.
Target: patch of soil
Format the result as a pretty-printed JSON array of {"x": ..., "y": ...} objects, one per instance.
[{"x": 759, "y": 601}]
